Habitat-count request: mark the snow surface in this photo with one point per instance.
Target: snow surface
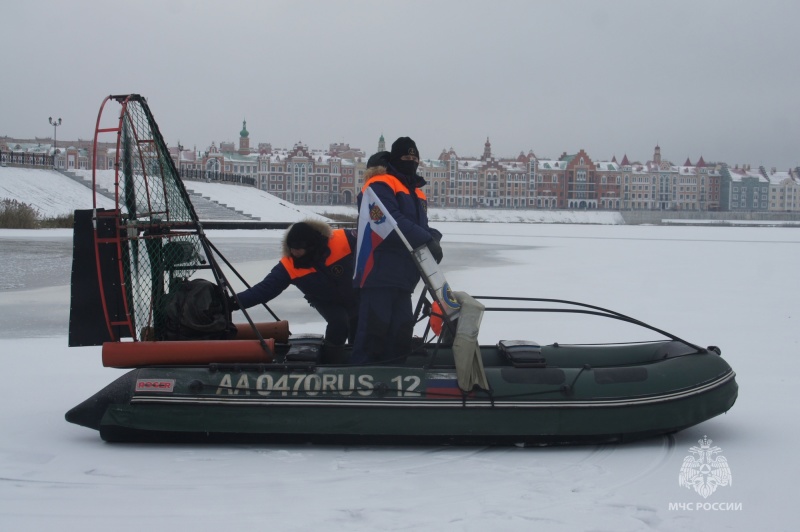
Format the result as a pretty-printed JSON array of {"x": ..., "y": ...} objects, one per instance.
[
  {"x": 48, "y": 191},
  {"x": 249, "y": 200},
  {"x": 735, "y": 287},
  {"x": 499, "y": 215},
  {"x": 253, "y": 201}
]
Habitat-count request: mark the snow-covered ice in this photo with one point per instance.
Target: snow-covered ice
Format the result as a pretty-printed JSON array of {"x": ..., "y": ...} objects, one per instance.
[{"x": 735, "y": 287}]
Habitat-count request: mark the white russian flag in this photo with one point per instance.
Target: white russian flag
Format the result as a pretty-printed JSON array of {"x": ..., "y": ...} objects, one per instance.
[{"x": 375, "y": 224}]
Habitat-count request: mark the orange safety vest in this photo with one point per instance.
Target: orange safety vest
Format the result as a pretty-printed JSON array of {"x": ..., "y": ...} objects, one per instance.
[
  {"x": 337, "y": 243},
  {"x": 395, "y": 184}
]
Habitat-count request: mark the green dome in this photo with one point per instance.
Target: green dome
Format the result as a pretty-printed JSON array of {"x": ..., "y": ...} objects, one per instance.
[{"x": 243, "y": 132}]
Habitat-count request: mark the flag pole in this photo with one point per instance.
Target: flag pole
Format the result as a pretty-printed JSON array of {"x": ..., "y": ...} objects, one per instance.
[{"x": 432, "y": 276}]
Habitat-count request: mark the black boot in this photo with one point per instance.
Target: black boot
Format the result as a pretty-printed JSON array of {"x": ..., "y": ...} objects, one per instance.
[{"x": 333, "y": 354}]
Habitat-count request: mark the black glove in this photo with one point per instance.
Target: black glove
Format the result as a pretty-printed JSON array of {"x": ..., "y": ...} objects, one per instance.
[
  {"x": 232, "y": 303},
  {"x": 436, "y": 250},
  {"x": 435, "y": 234}
]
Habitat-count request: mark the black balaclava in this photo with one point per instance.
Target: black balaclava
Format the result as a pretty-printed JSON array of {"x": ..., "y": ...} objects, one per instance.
[
  {"x": 404, "y": 147},
  {"x": 302, "y": 236}
]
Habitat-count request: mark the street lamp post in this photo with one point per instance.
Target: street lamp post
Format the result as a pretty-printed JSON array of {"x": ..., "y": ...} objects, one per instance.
[
  {"x": 178, "y": 158},
  {"x": 55, "y": 123}
]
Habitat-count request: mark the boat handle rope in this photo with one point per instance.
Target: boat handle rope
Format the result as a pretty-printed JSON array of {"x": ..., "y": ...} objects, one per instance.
[{"x": 596, "y": 311}]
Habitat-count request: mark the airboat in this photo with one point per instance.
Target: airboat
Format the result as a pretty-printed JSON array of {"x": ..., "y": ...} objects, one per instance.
[{"x": 256, "y": 381}]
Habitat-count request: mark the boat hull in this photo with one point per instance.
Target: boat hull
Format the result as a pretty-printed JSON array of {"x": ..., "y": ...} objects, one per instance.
[{"x": 652, "y": 394}]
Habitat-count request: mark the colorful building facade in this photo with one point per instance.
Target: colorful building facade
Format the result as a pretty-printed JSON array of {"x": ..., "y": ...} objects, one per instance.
[{"x": 573, "y": 181}]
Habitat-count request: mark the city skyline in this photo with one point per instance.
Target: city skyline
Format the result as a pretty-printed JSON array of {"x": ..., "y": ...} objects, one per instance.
[
  {"x": 334, "y": 176},
  {"x": 710, "y": 78},
  {"x": 372, "y": 148}
]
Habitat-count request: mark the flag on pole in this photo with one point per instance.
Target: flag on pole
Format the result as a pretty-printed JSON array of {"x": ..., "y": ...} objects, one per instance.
[{"x": 375, "y": 224}]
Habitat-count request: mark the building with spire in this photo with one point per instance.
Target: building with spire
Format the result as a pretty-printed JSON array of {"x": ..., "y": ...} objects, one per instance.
[{"x": 244, "y": 140}]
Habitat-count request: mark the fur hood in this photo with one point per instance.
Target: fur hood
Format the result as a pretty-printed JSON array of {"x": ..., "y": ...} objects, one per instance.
[
  {"x": 375, "y": 170},
  {"x": 318, "y": 225}
]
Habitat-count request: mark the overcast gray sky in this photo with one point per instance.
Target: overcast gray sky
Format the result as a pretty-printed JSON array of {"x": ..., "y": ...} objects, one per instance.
[{"x": 717, "y": 78}]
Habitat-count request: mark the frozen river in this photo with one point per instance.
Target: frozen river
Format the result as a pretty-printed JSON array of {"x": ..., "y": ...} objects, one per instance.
[
  {"x": 36, "y": 275},
  {"x": 732, "y": 287}
]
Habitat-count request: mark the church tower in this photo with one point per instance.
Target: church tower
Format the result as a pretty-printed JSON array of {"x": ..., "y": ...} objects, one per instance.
[
  {"x": 244, "y": 140},
  {"x": 487, "y": 150},
  {"x": 657, "y": 155},
  {"x": 381, "y": 143}
]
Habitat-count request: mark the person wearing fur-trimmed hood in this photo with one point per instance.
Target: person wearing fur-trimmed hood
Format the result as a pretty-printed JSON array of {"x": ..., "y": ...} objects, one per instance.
[
  {"x": 386, "y": 321},
  {"x": 319, "y": 261}
]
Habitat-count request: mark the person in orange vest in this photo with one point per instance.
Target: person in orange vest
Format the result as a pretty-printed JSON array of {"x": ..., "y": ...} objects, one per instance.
[
  {"x": 318, "y": 261},
  {"x": 386, "y": 320}
]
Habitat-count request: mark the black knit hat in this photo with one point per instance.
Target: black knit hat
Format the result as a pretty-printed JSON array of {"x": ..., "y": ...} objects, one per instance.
[
  {"x": 303, "y": 236},
  {"x": 378, "y": 159},
  {"x": 403, "y": 146}
]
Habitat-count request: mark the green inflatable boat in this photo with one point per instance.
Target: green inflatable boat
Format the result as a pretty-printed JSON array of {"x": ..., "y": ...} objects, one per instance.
[{"x": 552, "y": 394}]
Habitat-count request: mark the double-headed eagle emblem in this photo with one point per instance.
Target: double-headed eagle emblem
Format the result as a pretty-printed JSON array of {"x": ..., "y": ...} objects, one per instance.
[
  {"x": 376, "y": 214},
  {"x": 703, "y": 471}
]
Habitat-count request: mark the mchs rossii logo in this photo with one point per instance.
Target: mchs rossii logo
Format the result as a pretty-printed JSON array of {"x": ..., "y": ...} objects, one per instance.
[{"x": 705, "y": 469}]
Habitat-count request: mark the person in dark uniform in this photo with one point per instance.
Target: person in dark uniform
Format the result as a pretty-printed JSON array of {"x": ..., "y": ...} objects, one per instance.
[
  {"x": 318, "y": 261},
  {"x": 385, "y": 324}
]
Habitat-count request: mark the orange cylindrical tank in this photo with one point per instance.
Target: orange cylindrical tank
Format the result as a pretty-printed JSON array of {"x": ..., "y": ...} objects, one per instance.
[
  {"x": 279, "y": 330},
  {"x": 190, "y": 352}
]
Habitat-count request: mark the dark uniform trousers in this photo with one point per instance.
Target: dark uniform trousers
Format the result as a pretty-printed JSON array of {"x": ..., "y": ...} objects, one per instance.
[
  {"x": 385, "y": 325},
  {"x": 341, "y": 322}
]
